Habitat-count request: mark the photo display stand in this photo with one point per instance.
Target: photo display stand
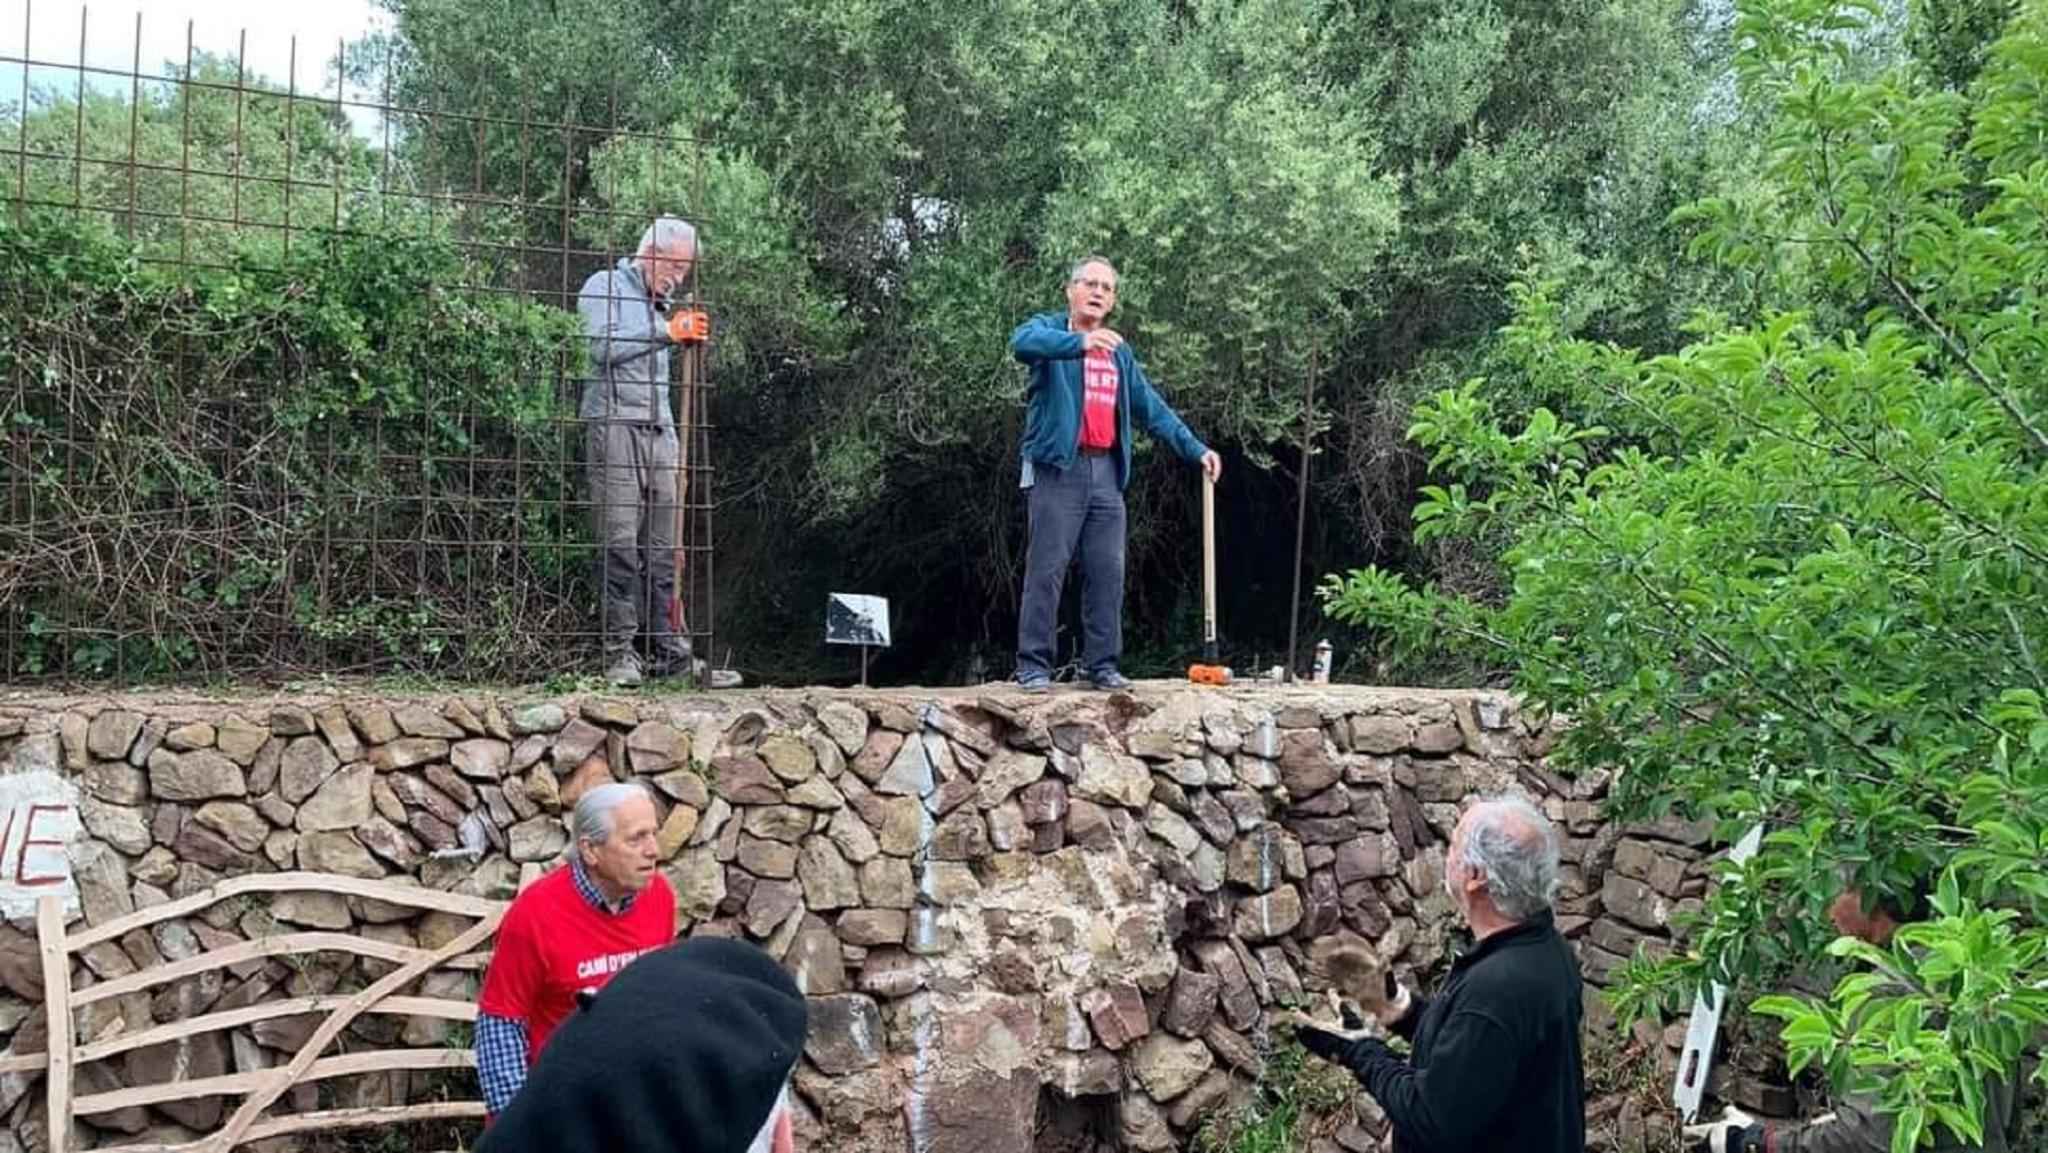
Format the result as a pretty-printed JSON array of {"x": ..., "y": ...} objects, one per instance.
[{"x": 857, "y": 619}]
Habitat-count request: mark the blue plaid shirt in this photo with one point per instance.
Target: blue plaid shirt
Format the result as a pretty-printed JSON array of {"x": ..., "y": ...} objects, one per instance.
[{"x": 501, "y": 1042}]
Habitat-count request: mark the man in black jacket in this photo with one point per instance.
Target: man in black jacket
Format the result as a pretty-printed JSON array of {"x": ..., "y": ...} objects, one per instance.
[{"x": 1494, "y": 1062}]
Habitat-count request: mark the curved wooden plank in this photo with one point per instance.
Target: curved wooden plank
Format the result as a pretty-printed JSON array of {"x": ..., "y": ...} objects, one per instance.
[
  {"x": 253, "y": 1106},
  {"x": 415, "y": 897},
  {"x": 378, "y": 1061},
  {"x": 234, "y": 1018},
  {"x": 285, "y": 944},
  {"x": 330, "y": 1119},
  {"x": 57, "y": 1006}
]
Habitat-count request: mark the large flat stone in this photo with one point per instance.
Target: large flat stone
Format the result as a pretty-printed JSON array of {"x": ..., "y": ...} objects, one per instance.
[
  {"x": 113, "y": 733},
  {"x": 1306, "y": 766},
  {"x": 337, "y": 852},
  {"x": 743, "y": 779},
  {"x": 306, "y": 764},
  {"x": 198, "y": 845},
  {"x": 405, "y": 753},
  {"x": 1267, "y": 916},
  {"x": 115, "y": 783},
  {"x": 199, "y": 775},
  {"x": 846, "y": 724},
  {"x": 482, "y": 758},
  {"x": 1190, "y": 1002},
  {"x": 1113, "y": 778},
  {"x": 121, "y": 826},
  {"x": 539, "y": 839},
  {"x": 341, "y": 802},
  {"x": 242, "y": 825},
  {"x": 1239, "y": 1001},
  {"x": 829, "y": 882},
  {"x": 1118, "y": 1015},
  {"x": 870, "y": 927},
  {"x": 655, "y": 748},
  {"x": 845, "y": 1034},
  {"x": 1169, "y": 1066}
]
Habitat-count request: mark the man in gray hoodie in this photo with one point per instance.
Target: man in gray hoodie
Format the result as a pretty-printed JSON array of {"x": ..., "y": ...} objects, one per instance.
[{"x": 631, "y": 448}]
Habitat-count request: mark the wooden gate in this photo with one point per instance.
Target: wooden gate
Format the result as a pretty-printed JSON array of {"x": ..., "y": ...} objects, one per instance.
[{"x": 259, "y": 1089}]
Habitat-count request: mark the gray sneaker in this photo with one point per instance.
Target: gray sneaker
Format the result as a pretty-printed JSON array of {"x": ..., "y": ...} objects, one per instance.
[
  {"x": 1034, "y": 682},
  {"x": 1109, "y": 680},
  {"x": 624, "y": 672}
]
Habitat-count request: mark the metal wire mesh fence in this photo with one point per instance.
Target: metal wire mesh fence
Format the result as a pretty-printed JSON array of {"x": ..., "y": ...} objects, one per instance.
[{"x": 290, "y": 379}]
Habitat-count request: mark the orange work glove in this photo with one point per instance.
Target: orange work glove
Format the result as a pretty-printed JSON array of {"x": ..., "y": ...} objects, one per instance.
[{"x": 689, "y": 326}]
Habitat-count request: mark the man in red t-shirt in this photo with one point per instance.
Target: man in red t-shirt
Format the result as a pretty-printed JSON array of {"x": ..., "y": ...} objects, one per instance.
[
  {"x": 1087, "y": 395},
  {"x": 569, "y": 932}
]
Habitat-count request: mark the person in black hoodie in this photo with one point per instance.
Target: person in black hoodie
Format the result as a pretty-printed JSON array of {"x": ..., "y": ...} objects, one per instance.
[
  {"x": 689, "y": 1049},
  {"x": 1494, "y": 1060}
]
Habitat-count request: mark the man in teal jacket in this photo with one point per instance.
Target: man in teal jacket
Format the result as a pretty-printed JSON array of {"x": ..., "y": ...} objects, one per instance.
[{"x": 1085, "y": 389}]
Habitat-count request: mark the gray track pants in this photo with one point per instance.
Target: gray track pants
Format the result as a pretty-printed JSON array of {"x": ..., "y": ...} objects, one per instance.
[{"x": 632, "y": 473}]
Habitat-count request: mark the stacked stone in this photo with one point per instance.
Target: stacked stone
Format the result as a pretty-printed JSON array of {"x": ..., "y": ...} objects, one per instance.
[{"x": 1004, "y": 908}]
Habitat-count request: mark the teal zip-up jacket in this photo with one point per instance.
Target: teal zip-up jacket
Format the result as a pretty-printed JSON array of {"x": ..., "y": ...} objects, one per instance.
[{"x": 1052, "y": 403}]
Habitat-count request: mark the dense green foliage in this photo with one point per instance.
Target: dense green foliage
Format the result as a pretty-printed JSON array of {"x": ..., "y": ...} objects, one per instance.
[
  {"x": 299, "y": 461},
  {"x": 1791, "y": 573}
]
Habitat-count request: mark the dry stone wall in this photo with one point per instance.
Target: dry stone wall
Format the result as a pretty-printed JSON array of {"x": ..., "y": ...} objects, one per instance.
[{"x": 1009, "y": 911}]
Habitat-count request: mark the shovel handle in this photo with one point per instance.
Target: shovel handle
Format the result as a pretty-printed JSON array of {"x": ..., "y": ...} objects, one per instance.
[{"x": 1208, "y": 568}]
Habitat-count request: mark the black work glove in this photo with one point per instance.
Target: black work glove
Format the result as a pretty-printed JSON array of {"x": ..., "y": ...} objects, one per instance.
[{"x": 1351, "y": 1051}]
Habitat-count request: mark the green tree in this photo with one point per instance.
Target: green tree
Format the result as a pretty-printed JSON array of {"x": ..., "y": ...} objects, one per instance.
[
  {"x": 1949, "y": 37},
  {"x": 1791, "y": 572},
  {"x": 197, "y": 169}
]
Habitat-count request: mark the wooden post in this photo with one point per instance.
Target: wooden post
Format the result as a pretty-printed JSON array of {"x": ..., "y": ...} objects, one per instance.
[
  {"x": 57, "y": 1007},
  {"x": 1308, "y": 429}
]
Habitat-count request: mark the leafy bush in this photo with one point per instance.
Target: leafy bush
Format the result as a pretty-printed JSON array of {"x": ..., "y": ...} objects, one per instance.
[
  {"x": 339, "y": 457},
  {"x": 1792, "y": 572}
]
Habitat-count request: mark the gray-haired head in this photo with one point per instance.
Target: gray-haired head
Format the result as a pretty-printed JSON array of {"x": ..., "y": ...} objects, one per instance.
[
  {"x": 597, "y": 810},
  {"x": 1074, "y": 273},
  {"x": 1511, "y": 844},
  {"x": 669, "y": 236}
]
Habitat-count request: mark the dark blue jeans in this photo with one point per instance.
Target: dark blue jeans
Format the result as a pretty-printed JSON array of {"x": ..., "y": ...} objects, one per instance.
[{"x": 1078, "y": 509}]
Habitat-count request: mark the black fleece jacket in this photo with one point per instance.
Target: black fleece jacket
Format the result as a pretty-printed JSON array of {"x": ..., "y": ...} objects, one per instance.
[{"x": 1495, "y": 1061}]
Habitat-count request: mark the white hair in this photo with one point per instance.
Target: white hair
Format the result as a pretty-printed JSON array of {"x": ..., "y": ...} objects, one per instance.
[
  {"x": 669, "y": 236},
  {"x": 1074, "y": 273},
  {"x": 597, "y": 809},
  {"x": 1512, "y": 845},
  {"x": 764, "y": 1141}
]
